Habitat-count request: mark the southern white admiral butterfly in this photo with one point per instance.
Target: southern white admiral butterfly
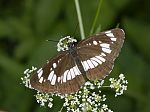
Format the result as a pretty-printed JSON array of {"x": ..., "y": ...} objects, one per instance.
[{"x": 90, "y": 59}]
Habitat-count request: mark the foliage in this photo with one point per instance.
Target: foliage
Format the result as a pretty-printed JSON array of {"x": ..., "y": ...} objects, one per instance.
[{"x": 26, "y": 24}]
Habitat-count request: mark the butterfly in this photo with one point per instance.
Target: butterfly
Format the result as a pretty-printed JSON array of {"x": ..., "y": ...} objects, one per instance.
[{"x": 90, "y": 59}]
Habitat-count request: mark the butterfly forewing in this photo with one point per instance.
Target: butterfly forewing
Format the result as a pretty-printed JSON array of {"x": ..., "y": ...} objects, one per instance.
[
  {"x": 43, "y": 77},
  {"x": 98, "y": 52},
  {"x": 57, "y": 75}
]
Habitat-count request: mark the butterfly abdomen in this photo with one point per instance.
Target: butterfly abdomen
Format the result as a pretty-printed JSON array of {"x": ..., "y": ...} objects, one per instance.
[{"x": 77, "y": 61}]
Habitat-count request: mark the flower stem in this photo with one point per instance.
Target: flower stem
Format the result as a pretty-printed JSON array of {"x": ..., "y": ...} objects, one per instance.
[
  {"x": 61, "y": 109},
  {"x": 79, "y": 19},
  {"x": 106, "y": 86},
  {"x": 96, "y": 16}
]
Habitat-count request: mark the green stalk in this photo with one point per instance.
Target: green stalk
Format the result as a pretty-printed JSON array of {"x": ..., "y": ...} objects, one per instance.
[
  {"x": 79, "y": 19},
  {"x": 61, "y": 109},
  {"x": 96, "y": 17}
]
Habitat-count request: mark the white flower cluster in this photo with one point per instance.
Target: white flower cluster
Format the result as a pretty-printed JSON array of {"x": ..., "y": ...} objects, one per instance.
[
  {"x": 26, "y": 78},
  {"x": 88, "y": 99},
  {"x": 120, "y": 84},
  {"x": 63, "y": 43},
  {"x": 43, "y": 98}
]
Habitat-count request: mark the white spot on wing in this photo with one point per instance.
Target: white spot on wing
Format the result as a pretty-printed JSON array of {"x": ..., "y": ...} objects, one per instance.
[
  {"x": 78, "y": 69},
  {"x": 97, "y": 60},
  {"x": 53, "y": 80},
  {"x": 58, "y": 79},
  {"x": 101, "y": 58},
  {"x": 75, "y": 68},
  {"x": 108, "y": 31},
  {"x": 40, "y": 73},
  {"x": 59, "y": 60},
  {"x": 85, "y": 65},
  {"x": 90, "y": 64},
  {"x": 113, "y": 39},
  {"x": 100, "y": 41},
  {"x": 110, "y": 34},
  {"x": 39, "y": 70},
  {"x": 65, "y": 76},
  {"x": 50, "y": 76},
  {"x": 41, "y": 80},
  {"x": 54, "y": 65},
  {"x": 94, "y": 42},
  {"x": 69, "y": 76},
  {"x": 105, "y": 45},
  {"x": 61, "y": 79},
  {"x": 72, "y": 73},
  {"x": 103, "y": 54},
  {"x": 94, "y": 63},
  {"x": 106, "y": 50}
]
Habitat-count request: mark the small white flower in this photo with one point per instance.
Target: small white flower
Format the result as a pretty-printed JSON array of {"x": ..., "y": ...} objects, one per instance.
[
  {"x": 105, "y": 107},
  {"x": 87, "y": 83},
  {"x": 119, "y": 84},
  {"x": 26, "y": 78},
  {"x": 26, "y": 71},
  {"x": 50, "y": 105},
  {"x": 121, "y": 76},
  {"x": 110, "y": 110},
  {"x": 43, "y": 98},
  {"x": 63, "y": 43}
]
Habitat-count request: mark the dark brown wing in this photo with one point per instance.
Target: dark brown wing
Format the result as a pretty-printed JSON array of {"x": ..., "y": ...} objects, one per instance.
[
  {"x": 99, "y": 51},
  {"x": 60, "y": 75}
]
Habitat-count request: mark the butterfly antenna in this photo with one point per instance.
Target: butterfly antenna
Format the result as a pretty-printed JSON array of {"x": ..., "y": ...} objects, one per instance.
[
  {"x": 118, "y": 24},
  {"x": 75, "y": 29},
  {"x": 52, "y": 40}
]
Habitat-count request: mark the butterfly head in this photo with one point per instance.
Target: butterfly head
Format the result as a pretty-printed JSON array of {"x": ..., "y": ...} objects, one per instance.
[{"x": 65, "y": 43}]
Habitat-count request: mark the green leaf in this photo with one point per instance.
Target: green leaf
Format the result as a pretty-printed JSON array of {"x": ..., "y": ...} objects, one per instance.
[
  {"x": 20, "y": 29},
  {"x": 46, "y": 13},
  {"x": 25, "y": 48},
  {"x": 119, "y": 4},
  {"x": 10, "y": 66},
  {"x": 5, "y": 29},
  {"x": 138, "y": 33},
  {"x": 135, "y": 70}
]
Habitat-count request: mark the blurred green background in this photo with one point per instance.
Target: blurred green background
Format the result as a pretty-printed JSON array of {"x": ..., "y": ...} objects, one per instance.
[{"x": 26, "y": 24}]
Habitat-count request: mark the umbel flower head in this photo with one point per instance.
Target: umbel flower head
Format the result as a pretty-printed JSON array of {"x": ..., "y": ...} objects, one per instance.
[
  {"x": 63, "y": 43},
  {"x": 120, "y": 84},
  {"x": 88, "y": 99}
]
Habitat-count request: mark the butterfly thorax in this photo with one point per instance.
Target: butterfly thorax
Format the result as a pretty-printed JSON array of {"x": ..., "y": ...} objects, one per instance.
[{"x": 72, "y": 49}]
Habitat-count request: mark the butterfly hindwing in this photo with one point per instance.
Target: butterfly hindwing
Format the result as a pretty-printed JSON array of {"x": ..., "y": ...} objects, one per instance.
[{"x": 71, "y": 77}]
